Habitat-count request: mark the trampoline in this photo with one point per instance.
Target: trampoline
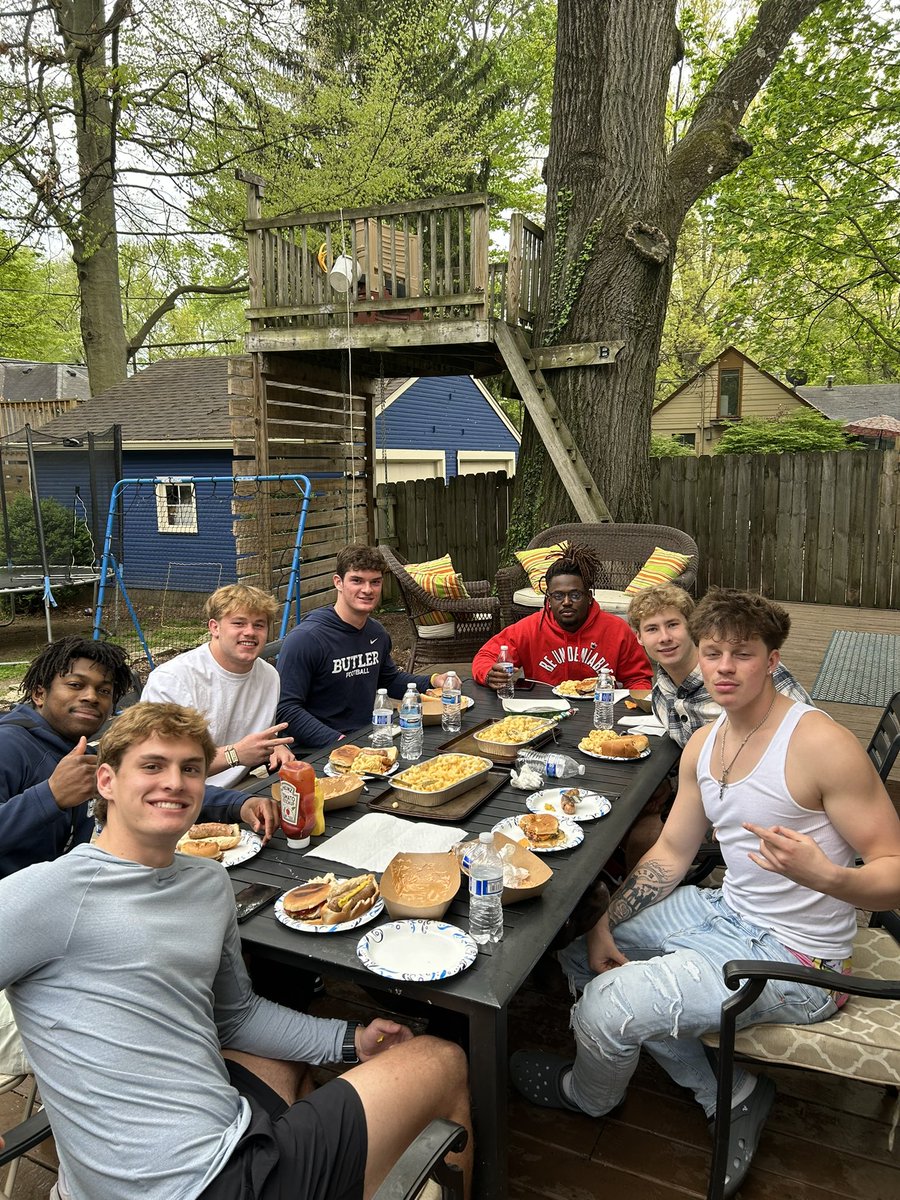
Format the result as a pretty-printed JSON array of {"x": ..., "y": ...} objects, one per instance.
[{"x": 53, "y": 496}]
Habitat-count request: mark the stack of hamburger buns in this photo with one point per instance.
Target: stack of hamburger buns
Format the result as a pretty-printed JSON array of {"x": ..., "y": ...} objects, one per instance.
[
  {"x": 359, "y": 761},
  {"x": 210, "y": 840}
]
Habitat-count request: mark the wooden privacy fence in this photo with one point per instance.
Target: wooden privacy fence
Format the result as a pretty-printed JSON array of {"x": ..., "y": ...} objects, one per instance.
[
  {"x": 823, "y": 528},
  {"x": 465, "y": 518}
]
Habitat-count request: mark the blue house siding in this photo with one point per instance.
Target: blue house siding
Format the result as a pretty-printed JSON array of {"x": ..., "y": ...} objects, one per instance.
[
  {"x": 189, "y": 562},
  {"x": 446, "y": 413}
]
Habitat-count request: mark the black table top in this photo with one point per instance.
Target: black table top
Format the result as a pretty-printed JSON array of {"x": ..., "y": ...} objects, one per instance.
[{"x": 529, "y": 926}]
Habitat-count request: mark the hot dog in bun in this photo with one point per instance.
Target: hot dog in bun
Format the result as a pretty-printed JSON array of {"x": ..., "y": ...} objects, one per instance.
[{"x": 330, "y": 901}]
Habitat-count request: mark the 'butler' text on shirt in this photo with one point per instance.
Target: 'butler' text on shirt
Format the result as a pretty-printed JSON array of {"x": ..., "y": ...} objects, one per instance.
[{"x": 355, "y": 664}]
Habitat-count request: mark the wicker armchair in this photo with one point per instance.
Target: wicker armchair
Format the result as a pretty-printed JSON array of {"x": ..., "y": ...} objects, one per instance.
[
  {"x": 475, "y": 619},
  {"x": 623, "y": 549}
]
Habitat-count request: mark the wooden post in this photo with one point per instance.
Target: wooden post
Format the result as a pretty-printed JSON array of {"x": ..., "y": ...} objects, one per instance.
[
  {"x": 479, "y": 256},
  {"x": 514, "y": 269},
  {"x": 255, "y": 185}
]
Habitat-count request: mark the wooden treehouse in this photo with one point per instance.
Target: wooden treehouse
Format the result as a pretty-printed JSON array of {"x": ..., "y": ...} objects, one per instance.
[{"x": 341, "y": 301}]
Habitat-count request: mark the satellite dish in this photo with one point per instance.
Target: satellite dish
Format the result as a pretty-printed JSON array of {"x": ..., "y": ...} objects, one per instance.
[{"x": 796, "y": 377}]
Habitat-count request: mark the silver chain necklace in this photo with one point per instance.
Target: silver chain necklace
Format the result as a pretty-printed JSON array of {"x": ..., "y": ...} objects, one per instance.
[{"x": 726, "y": 771}]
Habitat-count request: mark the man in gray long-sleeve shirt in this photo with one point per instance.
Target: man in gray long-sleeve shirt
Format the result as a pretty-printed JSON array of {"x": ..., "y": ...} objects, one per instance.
[{"x": 164, "y": 1076}]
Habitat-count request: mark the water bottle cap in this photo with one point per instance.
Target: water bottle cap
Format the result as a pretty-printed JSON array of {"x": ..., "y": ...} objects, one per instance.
[{"x": 486, "y": 837}]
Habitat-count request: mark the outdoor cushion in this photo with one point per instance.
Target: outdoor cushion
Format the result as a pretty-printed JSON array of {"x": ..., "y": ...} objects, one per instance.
[
  {"x": 537, "y": 561},
  {"x": 440, "y": 579},
  {"x": 609, "y": 599},
  {"x": 661, "y": 567},
  {"x": 862, "y": 1041},
  {"x": 432, "y": 632}
]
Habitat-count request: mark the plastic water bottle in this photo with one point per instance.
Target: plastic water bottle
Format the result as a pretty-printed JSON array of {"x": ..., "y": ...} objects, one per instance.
[
  {"x": 485, "y": 892},
  {"x": 451, "y": 703},
  {"x": 411, "y": 725},
  {"x": 554, "y": 766},
  {"x": 604, "y": 700},
  {"x": 382, "y": 720},
  {"x": 509, "y": 688}
]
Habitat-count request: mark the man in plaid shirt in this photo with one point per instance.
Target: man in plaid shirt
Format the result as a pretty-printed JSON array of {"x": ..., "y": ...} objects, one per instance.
[{"x": 659, "y": 617}]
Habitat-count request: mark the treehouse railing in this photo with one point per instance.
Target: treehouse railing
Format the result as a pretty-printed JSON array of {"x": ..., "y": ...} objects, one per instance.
[{"x": 422, "y": 260}]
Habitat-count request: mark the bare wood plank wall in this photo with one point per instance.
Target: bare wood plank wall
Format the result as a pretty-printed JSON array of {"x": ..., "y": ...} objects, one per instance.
[
  {"x": 305, "y": 425},
  {"x": 819, "y": 528},
  {"x": 465, "y": 518}
]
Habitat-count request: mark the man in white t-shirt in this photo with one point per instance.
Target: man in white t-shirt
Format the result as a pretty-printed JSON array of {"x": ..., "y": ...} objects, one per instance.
[{"x": 228, "y": 682}]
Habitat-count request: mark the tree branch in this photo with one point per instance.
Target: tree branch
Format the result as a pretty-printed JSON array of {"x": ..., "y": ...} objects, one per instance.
[
  {"x": 235, "y": 288},
  {"x": 713, "y": 146}
]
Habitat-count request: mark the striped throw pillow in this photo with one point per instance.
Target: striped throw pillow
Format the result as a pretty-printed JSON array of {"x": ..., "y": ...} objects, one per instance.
[
  {"x": 661, "y": 567},
  {"x": 439, "y": 578},
  {"x": 537, "y": 561}
]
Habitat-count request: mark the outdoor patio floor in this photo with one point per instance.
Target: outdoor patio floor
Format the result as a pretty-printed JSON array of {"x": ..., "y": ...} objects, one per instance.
[{"x": 826, "y": 1140}]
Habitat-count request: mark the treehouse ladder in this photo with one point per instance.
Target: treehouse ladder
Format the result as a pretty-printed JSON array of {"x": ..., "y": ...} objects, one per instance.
[{"x": 548, "y": 420}]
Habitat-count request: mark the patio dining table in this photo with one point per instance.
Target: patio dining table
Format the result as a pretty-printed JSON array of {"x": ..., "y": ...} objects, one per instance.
[{"x": 481, "y": 994}]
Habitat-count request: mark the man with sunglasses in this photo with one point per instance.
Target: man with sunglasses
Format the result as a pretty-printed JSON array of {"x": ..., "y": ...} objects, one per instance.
[{"x": 571, "y": 637}]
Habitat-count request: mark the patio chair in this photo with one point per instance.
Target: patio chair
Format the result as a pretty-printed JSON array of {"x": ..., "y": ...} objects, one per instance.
[
  {"x": 9, "y": 1083},
  {"x": 423, "y": 1160},
  {"x": 885, "y": 744},
  {"x": 474, "y": 620},
  {"x": 623, "y": 550},
  {"x": 862, "y": 1041}
]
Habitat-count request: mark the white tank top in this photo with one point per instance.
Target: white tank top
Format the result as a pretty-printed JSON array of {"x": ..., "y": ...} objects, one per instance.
[{"x": 801, "y": 919}]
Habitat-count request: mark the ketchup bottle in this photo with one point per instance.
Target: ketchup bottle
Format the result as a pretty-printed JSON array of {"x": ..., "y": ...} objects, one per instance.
[{"x": 298, "y": 802}]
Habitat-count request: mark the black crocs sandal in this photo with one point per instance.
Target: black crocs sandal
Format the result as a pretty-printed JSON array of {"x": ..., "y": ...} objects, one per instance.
[
  {"x": 747, "y": 1121},
  {"x": 538, "y": 1076}
]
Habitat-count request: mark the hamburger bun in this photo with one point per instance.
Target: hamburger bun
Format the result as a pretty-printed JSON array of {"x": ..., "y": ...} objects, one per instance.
[
  {"x": 201, "y": 850},
  {"x": 541, "y": 827},
  {"x": 343, "y": 756},
  {"x": 585, "y": 687},
  {"x": 330, "y": 901}
]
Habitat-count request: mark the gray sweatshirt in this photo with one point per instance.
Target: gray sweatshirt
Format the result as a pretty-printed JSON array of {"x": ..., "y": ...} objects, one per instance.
[{"x": 125, "y": 982}]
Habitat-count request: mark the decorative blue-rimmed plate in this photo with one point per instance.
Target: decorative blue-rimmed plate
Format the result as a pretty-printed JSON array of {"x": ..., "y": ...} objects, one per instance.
[
  {"x": 250, "y": 846},
  {"x": 417, "y": 950},
  {"x": 569, "y": 835},
  {"x": 309, "y": 927},
  {"x": 588, "y": 805},
  {"x": 333, "y": 773}
]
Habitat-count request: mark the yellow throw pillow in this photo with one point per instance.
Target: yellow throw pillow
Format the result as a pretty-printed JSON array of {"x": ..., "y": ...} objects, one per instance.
[
  {"x": 661, "y": 567},
  {"x": 439, "y": 578},
  {"x": 537, "y": 561}
]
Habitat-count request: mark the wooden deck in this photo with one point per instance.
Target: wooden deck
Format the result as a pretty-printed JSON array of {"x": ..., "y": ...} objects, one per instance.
[{"x": 826, "y": 1140}]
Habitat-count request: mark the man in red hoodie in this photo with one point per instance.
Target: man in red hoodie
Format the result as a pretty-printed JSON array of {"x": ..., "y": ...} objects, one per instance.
[{"x": 571, "y": 637}]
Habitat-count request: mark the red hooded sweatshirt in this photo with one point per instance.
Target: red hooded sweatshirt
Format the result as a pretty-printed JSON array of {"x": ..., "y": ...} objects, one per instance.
[{"x": 549, "y": 654}]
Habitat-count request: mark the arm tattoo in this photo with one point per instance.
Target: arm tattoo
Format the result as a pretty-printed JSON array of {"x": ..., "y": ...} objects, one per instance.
[{"x": 649, "y": 882}]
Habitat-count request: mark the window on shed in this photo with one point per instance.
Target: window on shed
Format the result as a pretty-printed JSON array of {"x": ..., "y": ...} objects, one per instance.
[
  {"x": 686, "y": 439},
  {"x": 730, "y": 393},
  {"x": 176, "y": 507}
]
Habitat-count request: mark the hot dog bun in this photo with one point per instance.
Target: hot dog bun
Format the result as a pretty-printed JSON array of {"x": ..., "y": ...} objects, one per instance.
[
  {"x": 201, "y": 849},
  {"x": 330, "y": 901}
]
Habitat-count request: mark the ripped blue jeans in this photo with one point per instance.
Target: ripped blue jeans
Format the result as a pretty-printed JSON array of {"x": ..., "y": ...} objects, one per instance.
[{"x": 671, "y": 992}]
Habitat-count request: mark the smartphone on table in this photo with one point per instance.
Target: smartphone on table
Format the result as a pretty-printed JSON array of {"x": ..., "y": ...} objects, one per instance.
[
  {"x": 524, "y": 685},
  {"x": 254, "y": 897}
]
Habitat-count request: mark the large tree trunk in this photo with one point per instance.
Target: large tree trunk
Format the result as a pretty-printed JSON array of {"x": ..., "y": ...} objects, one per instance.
[
  {"x": 616, "y": 204},
  {"x": 96, "y": 247}
]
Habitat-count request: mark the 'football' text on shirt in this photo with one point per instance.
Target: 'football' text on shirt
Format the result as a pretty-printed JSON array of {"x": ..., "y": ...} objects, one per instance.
[{"x": 355, "y": 664}]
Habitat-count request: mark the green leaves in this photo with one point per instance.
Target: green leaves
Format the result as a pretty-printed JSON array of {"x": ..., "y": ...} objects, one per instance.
[{"x": 804, "y": 430}]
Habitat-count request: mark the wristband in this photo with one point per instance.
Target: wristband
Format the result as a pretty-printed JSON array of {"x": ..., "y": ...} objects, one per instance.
[
  {"x": 349, "y": 1053},
  {"x": 231, "y": 756}
]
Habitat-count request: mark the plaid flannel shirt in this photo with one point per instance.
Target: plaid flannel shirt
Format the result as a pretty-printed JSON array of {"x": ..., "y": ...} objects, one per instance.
[{"x": 685, "y": 707}]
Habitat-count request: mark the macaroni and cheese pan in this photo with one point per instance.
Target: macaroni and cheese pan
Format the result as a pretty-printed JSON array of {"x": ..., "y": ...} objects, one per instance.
[
  {"x": 513, "y": 732},
  {"x": 437, "y": 780}
]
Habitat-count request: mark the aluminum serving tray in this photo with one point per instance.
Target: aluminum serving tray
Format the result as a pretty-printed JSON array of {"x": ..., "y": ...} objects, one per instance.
[
  {"x": 434, "y": 799},
  {"x": 482, "y": 736}
]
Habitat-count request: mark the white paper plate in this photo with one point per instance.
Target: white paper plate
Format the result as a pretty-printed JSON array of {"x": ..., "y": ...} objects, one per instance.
[
  {"x": 333, "y": 773},
  {"x": 418, "y": 950},
  {"x": 615, "y": 757},
  {"x": 574, "y": 835},
  {"x": 250, "y": 846},
  {"x": 570, "y": 696},
  {"x": 306, "y": 927},
  {"x": 588, "y": 807}
]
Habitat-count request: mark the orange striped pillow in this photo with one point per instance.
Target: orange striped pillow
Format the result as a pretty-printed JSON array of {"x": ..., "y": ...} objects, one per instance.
[
  {"x": 439, "y": 578},
  {"x": 661, "y": 567},
  {"x": 536, "y": 562}
]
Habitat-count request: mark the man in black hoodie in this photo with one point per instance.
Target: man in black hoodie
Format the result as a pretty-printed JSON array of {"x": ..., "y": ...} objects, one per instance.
[{"x": 337, "y": 658}]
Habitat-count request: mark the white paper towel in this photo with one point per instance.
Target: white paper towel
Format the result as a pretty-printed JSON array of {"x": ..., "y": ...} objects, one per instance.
[{"x": 370, "y": 843}]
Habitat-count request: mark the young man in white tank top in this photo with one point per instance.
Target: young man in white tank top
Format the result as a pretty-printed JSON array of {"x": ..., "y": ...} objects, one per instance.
[{"x": 794, "y": 799}]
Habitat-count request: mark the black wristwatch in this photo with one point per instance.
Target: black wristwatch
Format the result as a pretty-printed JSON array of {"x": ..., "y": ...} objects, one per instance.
[{"x": 348, "y": 1046}]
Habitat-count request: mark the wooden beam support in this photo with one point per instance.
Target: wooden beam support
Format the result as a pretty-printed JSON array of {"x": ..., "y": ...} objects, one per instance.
[
  {"x": 548, "y": 420},
  {"x": 587, "y": 354}
]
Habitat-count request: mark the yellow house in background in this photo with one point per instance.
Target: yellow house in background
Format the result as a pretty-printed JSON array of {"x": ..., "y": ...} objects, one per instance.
[{"x": 727, "y": 389}]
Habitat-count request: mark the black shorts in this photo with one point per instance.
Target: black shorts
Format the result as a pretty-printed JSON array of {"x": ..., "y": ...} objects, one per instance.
[{"x": 312, "y": 1150}]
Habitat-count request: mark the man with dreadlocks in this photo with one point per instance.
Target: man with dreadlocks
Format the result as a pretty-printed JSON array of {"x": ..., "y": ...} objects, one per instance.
[
  {"x": 571, "y": 637},
  {"x": 48, "y": 776}
]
